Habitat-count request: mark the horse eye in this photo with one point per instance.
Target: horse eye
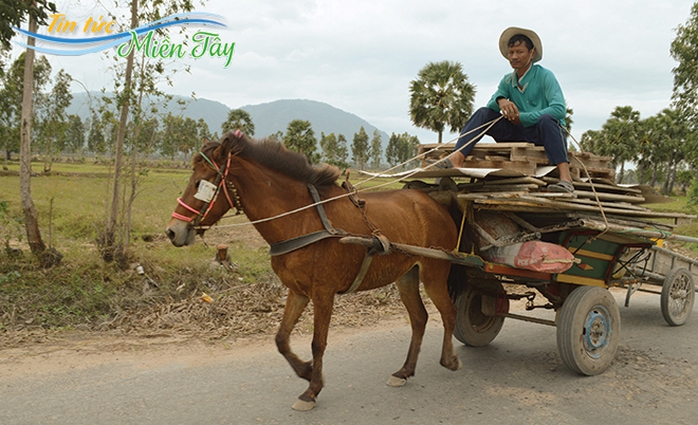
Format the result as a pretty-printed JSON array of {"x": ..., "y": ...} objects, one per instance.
[{"x": 196, "y": 184}]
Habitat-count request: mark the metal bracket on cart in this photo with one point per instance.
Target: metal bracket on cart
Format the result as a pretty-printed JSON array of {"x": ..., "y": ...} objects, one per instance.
[{"x": 530, "y": 296}]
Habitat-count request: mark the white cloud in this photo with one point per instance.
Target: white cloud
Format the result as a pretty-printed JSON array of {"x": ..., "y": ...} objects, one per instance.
[{"x": 360, "y": 56}]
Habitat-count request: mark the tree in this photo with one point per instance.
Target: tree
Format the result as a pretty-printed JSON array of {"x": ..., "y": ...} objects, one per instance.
[
  {"x": 359, "y": 148},
  {"x": 568, "y": 120},
  {"x": 96, "y": 141},
  {"x": 53, "y": 124},
  {"x": 441, "y": 96},
  {"x": 684, "y": 49},
  {"x": 14, "y": 12},
  {"x": 618, "y": 138},
  {"x": 239, "y": 119},
  {"x": 342, "y": 151},
  {"x": 376, "y": 150},
  {"x": 621, "y": 136},
  {"x": 203, "y": 130},
  {"x": 11, "y": 92},
  {"x": 300, "y": 137},
  {"x": 75, "y": 134},
  {"x": 334, "y": 152},
  {"x": 179, "y": 135},
  {"x": 675, "y": 133},
  {"x": 129, "y": 91},
  {"x": 31, "y": 221},
  {"x": 401, "y": 148}
]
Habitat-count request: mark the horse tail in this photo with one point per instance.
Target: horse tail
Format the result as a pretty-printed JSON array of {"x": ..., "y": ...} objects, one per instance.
[{"x": 457, "y": 280}]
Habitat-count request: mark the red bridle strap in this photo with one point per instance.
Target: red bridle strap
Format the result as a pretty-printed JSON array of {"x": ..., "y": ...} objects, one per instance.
[{"x": 208, "y": 205}]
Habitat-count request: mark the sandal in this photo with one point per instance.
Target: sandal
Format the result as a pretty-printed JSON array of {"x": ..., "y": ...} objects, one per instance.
[
  {"x": 561, "y": 187},
  {"x": 442, "y": 164}
]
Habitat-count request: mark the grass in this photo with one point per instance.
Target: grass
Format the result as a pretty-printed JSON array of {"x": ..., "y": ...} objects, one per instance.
[
  {"x": 72, "y": 204},
  {"x": 83, "y": 290}
]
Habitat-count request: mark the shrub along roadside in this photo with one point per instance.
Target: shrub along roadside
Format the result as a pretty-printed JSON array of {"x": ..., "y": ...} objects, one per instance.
[{"x": 87, "y": 293}]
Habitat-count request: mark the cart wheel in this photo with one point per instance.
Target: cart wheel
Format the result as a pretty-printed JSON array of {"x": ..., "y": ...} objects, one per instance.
[
  {"x": 473, "y": 327},
  {"x": 678, "y": 295},
  {"x": 588, "y": 330}
]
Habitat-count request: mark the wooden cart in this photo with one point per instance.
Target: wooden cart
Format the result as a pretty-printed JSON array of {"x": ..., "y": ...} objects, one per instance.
[{"x": 615, "y": 243}]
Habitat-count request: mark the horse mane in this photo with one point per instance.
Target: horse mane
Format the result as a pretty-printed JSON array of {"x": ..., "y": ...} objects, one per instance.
[{"x": 274, "y": 155}]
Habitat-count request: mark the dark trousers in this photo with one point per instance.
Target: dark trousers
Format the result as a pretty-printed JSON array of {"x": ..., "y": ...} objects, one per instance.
[{"x": 547, "y": 133}]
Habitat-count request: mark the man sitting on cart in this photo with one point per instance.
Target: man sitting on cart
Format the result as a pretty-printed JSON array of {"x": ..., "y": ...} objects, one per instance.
[{"x": 531, "y": 101}]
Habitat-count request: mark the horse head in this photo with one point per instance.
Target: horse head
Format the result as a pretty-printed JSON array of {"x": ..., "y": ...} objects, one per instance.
[{"x": 209, "y": 194}]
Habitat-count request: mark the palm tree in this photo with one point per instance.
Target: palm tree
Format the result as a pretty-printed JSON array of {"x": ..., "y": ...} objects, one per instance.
[
  {"x": 239, "y": 119},
  {"x": 440, "y": 96}
]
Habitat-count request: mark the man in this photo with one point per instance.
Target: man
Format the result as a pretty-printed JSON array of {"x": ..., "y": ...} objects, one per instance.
[{"x": 531, "y": 102}]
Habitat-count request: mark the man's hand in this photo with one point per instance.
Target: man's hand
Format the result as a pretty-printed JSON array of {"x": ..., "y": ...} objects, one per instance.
[{"x": 509, "y": 110}]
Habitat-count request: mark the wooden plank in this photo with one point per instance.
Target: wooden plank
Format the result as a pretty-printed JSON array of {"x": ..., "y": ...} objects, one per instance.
[
  {"x": 522, "y": 167},
  {"x": 607, "y": 204},
  {"x": 503, "y": 188},
  {"x": 604, "y": 196},
  {"x": 515, "y": 180},
  {"x": 560, "y": 205}
]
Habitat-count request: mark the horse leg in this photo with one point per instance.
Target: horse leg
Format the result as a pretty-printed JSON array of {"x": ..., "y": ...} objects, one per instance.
[
  {"x": 408, "y": 286},
  {"x": 295, "y": 304},
  {"x": 436, "y": 288},
  {"x": 322, "y": 306}
]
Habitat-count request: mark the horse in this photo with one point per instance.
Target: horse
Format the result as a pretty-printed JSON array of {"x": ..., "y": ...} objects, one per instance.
[{"x": 266, "y": 181}]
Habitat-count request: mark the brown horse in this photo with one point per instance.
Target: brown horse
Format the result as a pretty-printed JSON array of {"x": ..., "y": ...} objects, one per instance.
[{"x": 265, "y": 179}]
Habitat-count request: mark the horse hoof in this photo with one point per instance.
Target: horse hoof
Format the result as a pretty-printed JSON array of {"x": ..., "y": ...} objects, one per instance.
[
  {"x": 303, "y": 406},
  {"x": 456, "y": 364},
  {"x": 394, "y": 381}
]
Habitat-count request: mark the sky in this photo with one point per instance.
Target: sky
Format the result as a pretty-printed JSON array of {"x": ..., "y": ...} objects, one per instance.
[{"x": 360, "y": 56}]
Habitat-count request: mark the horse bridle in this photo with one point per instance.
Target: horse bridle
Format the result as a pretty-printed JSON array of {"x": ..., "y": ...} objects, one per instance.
[{"x": 220, "y": 182}]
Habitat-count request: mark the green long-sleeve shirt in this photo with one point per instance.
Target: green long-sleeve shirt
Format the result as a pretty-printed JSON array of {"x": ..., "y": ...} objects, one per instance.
[{"x": 541, "y": 94}]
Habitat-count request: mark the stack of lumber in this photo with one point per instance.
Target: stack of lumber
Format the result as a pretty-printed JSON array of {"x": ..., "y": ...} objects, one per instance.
[
  {"x": 522, "y": 157},
  {"x": 596, "y": 195}
]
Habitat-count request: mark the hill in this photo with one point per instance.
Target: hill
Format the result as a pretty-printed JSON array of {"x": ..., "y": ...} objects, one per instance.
[
  {"x": 268, "y": 118},
  {"x": 272, "y": 117}
]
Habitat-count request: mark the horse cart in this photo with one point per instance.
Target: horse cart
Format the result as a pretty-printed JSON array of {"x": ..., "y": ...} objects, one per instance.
[{"x": 568, "y": 250}]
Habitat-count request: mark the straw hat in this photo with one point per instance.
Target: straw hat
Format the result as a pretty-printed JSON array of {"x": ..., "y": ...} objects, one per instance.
[{"x": 512, "y": 31}]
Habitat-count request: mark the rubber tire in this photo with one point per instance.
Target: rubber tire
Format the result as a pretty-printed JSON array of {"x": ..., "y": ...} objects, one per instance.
[
  {"x": 585, "y": 308},
  {"x": 678, "y": 290},
  {"x": 473, "y": 328}
]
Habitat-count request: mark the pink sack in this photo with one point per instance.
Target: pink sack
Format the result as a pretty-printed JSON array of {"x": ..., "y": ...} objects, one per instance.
[{"x": 538, "y": 256}]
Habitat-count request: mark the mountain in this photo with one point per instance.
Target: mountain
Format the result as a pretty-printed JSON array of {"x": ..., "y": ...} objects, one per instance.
[
  {"x": 268, "y": 118},
  {"x": 213, "y": 112}
]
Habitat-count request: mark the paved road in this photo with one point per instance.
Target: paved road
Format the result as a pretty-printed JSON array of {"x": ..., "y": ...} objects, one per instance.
[{"x": 518, "y": 379}]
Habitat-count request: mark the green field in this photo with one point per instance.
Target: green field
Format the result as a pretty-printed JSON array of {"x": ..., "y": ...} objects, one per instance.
[
  {"x": 84, "y": 290},
  {"x": 72, "y": 204}
]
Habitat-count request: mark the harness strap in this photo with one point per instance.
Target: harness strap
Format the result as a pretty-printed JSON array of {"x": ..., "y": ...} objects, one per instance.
[
  {"x": 289, "y": 245},
  {"x": 321, "y": 211},
  {"x": 380, "y": 246},
  {"x": 284, "y": 247}
]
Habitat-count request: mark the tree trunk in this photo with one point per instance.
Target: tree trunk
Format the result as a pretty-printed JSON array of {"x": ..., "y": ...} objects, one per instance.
[
  {"x": 31, "y": 221},
  {"x": 134, "y": 160},
  {"x": 621, "y": 175},
  {"x": 110, "y": 246},
  {"x": 47, "y": 158},
  {"x": 655, "y": 171},
  {"x": 642, "y": 169}
]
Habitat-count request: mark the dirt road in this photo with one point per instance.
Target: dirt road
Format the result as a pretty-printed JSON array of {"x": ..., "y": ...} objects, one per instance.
[{"x": 519, "y": 378}]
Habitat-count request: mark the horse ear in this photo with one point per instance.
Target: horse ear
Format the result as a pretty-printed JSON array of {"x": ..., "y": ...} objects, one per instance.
[{"x": 228, "y": 143}]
